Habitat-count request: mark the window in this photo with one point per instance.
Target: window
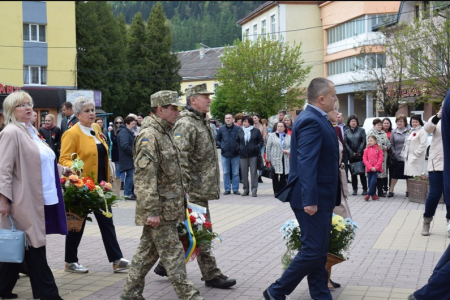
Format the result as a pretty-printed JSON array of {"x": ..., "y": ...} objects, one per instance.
[
  {"x": 263, "y": 28},
  {"x": 255, "y": 32},
  {"x": 439, "y": 55},
  {"x": 416, "y": 11},
  {"x": 246, "y": 34},
  {"x": 34, "y": 75},
  {"x": 272, "y": 27},
  {"x": 215, "y": 85},
  {"x": 346, "y": 30},
  {"x": 426, "y": 9},
  {"x": 356, "y": 63},
  {"x": 380, "y": 19},
  {"x": 34, "y": 33},
  {"x": 416, "y": 60}
]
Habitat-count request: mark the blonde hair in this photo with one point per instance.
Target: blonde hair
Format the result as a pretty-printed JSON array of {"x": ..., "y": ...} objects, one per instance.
[
  {"x": 51, "y": 116},
  {"x": 10, "y": 103}
]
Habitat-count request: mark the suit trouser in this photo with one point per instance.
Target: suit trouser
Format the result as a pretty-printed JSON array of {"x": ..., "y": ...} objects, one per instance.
[
  {"x": 161, "y": 242},
  {"x": 41, "y": 277},
  {"x": 247, "y": 163},
  {"x": 439, "y": 285},
  {"x": 311, "y": 260},
  {"x": 108, "y": 232}
]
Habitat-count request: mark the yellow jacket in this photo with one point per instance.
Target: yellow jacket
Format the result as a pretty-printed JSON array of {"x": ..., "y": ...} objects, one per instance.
[{"x": 75, "y": 141}]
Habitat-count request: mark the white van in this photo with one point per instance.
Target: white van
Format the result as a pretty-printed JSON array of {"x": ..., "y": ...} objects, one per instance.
[{"x": 368, "y": 124}]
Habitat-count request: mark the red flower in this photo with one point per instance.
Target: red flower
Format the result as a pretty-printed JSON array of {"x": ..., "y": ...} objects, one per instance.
[
  {"x": 193, "y": 219},
  {"x": 89, "y": 182},
  {"x": 414, "y": 134},
  {"x": 207, "y": 225},
  {"x": 53, "y": 136},
  {"x": 189, "y": 210},
  {"x": 63, "y": 180},
  {"x": 70, "y": 125}
]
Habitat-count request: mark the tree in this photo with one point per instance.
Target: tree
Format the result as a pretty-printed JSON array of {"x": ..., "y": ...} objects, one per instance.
[
  {"x": 220, "y": 107},
  {"x": 262, "y": 77},
  {"x": 425, "y": 43}
]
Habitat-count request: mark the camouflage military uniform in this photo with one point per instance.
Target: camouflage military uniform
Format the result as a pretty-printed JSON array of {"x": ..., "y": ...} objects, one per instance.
[
  {"x": 159, "y": 190},
  {"x": 201, "y": 178}
]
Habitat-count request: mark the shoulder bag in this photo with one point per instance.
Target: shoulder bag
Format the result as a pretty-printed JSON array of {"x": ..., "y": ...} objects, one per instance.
[
  {"x": 12, "y": 244},
  {"x": 357, "y": 168}
]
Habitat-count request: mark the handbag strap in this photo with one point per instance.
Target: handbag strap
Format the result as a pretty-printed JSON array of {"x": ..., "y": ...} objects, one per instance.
[{"x": 13, "y": 228}]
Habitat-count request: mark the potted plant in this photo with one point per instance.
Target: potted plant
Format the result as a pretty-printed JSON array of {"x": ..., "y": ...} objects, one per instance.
[
  {"x": 418, "y": 188},
  {"x": 343, "y": 233}
]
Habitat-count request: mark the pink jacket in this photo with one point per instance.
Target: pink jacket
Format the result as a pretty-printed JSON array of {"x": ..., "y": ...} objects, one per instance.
[{"x": 373, "y": 157}]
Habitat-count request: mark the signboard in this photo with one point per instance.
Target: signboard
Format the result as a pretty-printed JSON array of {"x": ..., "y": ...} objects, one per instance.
[
  {"x": 71, "y": 95},
  {"x": 8, "y": 89}
]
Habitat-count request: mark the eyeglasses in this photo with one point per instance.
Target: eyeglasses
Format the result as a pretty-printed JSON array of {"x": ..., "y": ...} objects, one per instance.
[
  {"x": 25, "y": 105},
  {"x": 119, "y": 122}
]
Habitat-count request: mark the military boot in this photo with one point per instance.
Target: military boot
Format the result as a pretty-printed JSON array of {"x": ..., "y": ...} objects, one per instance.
[
  {"x": 160, "y": 270},
  {"x": 426, "y": 226}
]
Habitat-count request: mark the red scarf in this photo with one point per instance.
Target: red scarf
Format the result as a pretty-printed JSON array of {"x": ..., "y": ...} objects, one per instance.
[{"x": 48, "y": 127}]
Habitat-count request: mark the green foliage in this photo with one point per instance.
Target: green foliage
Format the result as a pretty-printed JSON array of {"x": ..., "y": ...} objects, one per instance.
[
  {"x": 210, "y": 22},
  {"x": 262, "y": 77},
  {"x": 219, "y": 106}
]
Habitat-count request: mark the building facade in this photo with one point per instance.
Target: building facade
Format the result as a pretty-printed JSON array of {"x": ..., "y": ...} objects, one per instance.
[
  {"x": 352, "y": 51},
  {"x": 39, "y": 51}
]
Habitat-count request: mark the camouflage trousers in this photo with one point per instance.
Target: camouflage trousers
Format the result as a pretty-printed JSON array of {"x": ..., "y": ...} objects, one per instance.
[
  {"x": 205, "y": 258},
  {"x": 161, "y": 242}
]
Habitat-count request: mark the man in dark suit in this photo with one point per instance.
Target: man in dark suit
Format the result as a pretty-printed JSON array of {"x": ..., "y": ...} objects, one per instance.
[
  {"x": 315, "y": 192},
  {"x": 438, "y": 286},
  {"x": 69, "y": 117}
]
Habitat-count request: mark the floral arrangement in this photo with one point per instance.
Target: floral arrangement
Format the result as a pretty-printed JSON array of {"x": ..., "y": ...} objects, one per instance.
[
  {"x": 82, "y": 195},
  {"x": 343, "y": 233},
  {"x": 422, "y": 177},
  {"x": 201, "y": 229}
]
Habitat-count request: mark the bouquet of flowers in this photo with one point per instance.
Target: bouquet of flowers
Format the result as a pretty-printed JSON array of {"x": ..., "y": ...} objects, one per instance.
[
  {"x": 201, "y": 230},
  {"x": 422, "y": 177},
  {"x": 343, "y": 233},
  {"x": 83, "y": 196}
]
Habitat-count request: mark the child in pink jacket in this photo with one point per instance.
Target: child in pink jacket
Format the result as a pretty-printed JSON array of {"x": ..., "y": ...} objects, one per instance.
[{"x": 373, "y": 160}]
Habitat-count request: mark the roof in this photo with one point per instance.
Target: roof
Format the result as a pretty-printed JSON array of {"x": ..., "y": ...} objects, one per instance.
[
  {"x": 254, "y": 12},
  {"x": 193, "y": 67}
]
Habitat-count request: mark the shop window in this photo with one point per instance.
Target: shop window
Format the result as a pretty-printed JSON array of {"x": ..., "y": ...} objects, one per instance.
[
  {"x": 34, "y": 75},
  {"x": 34, "y": 33}
]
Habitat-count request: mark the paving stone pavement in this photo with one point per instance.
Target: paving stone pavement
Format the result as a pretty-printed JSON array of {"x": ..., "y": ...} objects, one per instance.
[{"x": 388, "y": 260}]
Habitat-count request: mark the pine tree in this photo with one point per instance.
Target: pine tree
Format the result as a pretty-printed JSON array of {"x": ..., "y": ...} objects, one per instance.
[{"x": 164, "y": 66}]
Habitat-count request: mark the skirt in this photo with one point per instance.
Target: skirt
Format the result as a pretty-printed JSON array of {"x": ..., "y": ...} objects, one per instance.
[{"x": 399, "y": 170}]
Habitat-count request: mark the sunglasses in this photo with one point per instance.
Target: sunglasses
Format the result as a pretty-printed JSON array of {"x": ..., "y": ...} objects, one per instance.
[{"x": 119, "y": 122}]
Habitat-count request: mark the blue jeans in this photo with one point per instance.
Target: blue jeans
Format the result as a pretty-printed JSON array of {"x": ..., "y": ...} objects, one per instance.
[
  {"x": 436, "y": 184},
  {"x": 372, "y": 178},
  {"x": 118, "y": 174},
  {"x": 128, "y": 188},
  {"x": 232, "y": 162}
]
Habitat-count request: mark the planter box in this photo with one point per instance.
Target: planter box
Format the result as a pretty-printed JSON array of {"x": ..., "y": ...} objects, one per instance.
[{"x": 418, "y": 191}]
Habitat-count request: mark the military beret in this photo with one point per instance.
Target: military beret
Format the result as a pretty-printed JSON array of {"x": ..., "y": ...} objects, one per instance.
[
  {"x": 162, "y": 98},
  {"x": 198, "y": 89}
]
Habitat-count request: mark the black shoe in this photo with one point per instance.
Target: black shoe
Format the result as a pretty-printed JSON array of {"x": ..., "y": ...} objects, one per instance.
[
  {"x": 132, "y": 197},
  {"x": 354, "y": 192},
  {"x": 335, "y": 284},
  {"x": 267, "y": 296},
  {"x": 220, "y": 282},
  {"x": 227, "y": 193},
  {"x": 254, "y": 195},
  {"x": 9, "y": 296},
  {"x": 411, "y": 297},
  {"x": 390, "y": 194},
  {"x": 407, "y": 195},
  {"x": 260, "y": 179},
  {"x": 382, "y": 195},
  {"x": 236, "y": 192},
  {"x": 160, "y": 270},
  {"x": 122, "y": 186},
  {"x": 364, "y": 192},
  {"x": 245, "y": 194}
]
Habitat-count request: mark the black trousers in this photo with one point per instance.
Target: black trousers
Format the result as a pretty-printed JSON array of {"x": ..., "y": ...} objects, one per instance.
[
  {"x": 279, "y": 182},
  {"x": 43, "y": 283},
  {"x": 363, "y": 181},
  {"x": 108, "y": 232}
]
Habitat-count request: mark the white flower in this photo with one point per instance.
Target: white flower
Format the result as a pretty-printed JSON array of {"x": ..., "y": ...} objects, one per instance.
[{"x": 199, "y": 217}]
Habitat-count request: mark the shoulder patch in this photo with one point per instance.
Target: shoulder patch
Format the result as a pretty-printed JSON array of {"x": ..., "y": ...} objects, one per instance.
[
  {"x": 177, "y": 136},
  {"x": 144, "y": 141}
]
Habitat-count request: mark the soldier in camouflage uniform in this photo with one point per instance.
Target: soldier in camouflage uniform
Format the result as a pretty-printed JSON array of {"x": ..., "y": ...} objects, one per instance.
[
  {"x": 160, "y": 204},
  {"x": 201, "y": 177}
]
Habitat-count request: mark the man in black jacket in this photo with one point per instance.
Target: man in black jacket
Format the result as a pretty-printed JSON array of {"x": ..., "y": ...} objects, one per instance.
[
  {"x": 230, "y": 157},
  {"x": 69, "y": 117}
]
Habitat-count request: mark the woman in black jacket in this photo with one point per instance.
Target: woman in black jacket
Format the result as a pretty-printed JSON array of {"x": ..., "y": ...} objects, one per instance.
[
  {"x": 249, "y": 143},
  {"x": 115, "y": 150},
  {"x": 355, "y": 143},
  {"x": 125, "y": 141}
]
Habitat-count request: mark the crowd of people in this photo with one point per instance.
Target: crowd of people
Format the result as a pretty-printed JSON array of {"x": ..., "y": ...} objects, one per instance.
[{"x": 169, "y": 159}]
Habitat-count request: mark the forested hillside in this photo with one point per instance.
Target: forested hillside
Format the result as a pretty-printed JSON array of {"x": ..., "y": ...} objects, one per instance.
[{"x": 212, "y": 23}]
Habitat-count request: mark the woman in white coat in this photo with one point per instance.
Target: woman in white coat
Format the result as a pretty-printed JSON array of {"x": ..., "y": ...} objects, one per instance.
[
  {"x": 278, "y": 145},
  {"x": 414, "y": 148}
]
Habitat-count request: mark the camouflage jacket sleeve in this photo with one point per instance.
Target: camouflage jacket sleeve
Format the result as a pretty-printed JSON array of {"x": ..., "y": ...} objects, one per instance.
[
  {"x": 185, "y": 139},
  {"x": 146, "y": 163}
]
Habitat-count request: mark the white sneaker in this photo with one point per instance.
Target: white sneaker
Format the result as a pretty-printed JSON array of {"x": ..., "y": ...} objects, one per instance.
[
  {"x": 121, "y": 264},
  {"x": 448, "y": 229},
  {"x": 75, "y": 268}
]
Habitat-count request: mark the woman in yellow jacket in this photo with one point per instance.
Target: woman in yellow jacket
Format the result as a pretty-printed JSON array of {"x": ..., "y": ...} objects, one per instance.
[{"x": 86, "y": 139}]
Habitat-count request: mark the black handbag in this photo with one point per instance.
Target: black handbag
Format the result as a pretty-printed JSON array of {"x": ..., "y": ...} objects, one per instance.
[
  {"x": 357, "y": 168},
  {"x": 391, "y": 160},
  {"x": 268, "y": 172},
  {"x": 260, "y": 163}
]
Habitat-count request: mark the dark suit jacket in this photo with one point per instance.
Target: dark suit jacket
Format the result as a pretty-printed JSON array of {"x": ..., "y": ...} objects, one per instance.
[
  {"x": 66, "y": 125},
  {"x": 445, "y": 125},
  {"x": 314, "y": 162}
]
